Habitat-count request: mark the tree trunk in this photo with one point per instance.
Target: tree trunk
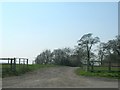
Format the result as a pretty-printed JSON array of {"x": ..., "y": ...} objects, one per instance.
[
  {"x": 109, "y": 67},
  {"x": 118, "y": 52},
  {"x": 101, "y": 59},
  {"x": 92, "y": 66},
  {"x": 88, "y": 59}
]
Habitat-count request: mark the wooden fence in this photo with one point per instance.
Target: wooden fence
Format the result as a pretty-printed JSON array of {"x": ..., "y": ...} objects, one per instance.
[
  {"x": 102, "y": 66},
  {"x": 15, "y": 61}
]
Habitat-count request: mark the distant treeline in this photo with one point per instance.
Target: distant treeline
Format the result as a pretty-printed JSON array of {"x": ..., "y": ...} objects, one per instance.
[{"x": 83, "y": 53}]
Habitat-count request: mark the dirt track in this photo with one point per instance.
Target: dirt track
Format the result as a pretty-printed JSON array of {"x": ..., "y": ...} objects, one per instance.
[{"x": 56, "y": 77}]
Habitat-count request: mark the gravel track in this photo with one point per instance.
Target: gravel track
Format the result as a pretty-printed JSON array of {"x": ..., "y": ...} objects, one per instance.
[{"x": 57, "y": 77}]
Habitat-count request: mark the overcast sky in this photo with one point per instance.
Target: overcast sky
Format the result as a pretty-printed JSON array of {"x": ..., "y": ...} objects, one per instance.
[{"x": 30, "y": 28}]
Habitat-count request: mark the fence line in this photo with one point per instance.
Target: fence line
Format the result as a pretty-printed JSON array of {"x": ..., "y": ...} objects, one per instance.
[
  {"x": 101, "y": 66},
  {"x": 12, "y": 62},
  {"x": 108, "y": 64}
]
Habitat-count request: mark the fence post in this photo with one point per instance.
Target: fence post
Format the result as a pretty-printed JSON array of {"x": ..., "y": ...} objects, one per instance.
[
  {"x": 109, "y": 68},
  {"x": 11, "y": 64},
  {"x": 19, "y": 61},
  {"x": 27, "y": 62},
  {"x": 23, "y": 62},
  {"x": 8, "y": 60},
  {"x": 92, "y": 66},
  {"x": 14, "y": 68}
]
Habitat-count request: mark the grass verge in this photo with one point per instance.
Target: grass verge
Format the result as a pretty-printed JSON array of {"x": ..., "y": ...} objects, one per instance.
[
  {"x": 112, "y": 74},
  {"x": 21, "y": 69}
]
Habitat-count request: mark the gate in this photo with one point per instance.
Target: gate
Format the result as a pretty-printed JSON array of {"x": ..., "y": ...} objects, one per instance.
[{"x": 13, "y": 63}]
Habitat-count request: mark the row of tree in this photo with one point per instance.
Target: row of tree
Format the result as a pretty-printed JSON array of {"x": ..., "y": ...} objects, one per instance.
[{"x": 83, "y": 53}]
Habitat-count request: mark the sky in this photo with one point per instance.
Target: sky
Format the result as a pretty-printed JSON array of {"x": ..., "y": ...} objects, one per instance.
[{"x": 28, "y": 28}]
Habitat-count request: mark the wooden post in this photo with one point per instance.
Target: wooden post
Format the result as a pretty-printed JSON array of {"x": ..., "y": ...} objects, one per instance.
[
  {"x": 8, "y": 60},
  {"x": 11, "y": 64},
  {"x": 88, "y": 59},
  {"x": 92, "y": 66},
  {"x": 23, "y": 62},
  {"x": 27, "y": 62},
  {"x": 14, "y": 68},
  {"x": 19, "y": 64},
  {"x": 109, "y": 67},
  {"x": 19, "y": 61}
]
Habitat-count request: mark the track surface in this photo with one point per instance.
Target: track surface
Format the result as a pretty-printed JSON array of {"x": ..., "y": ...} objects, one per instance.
[{"x": 57, "y": 77}]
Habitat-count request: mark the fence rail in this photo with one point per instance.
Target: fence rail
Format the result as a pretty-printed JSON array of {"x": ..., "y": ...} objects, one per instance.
[
  {"x": 101, "y": 66},
  {"x": 13, "y": 61}
]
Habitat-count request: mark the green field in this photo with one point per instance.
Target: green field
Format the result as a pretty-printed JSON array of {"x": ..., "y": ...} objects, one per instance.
[
  {"x": 21, "y": 69},
  {"x": 100, "y": 72}
]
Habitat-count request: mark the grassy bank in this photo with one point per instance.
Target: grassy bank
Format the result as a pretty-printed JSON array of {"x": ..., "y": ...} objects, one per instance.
[
  {"x": 21, "y": 69},
  {"x": 112, "y": 74}
]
